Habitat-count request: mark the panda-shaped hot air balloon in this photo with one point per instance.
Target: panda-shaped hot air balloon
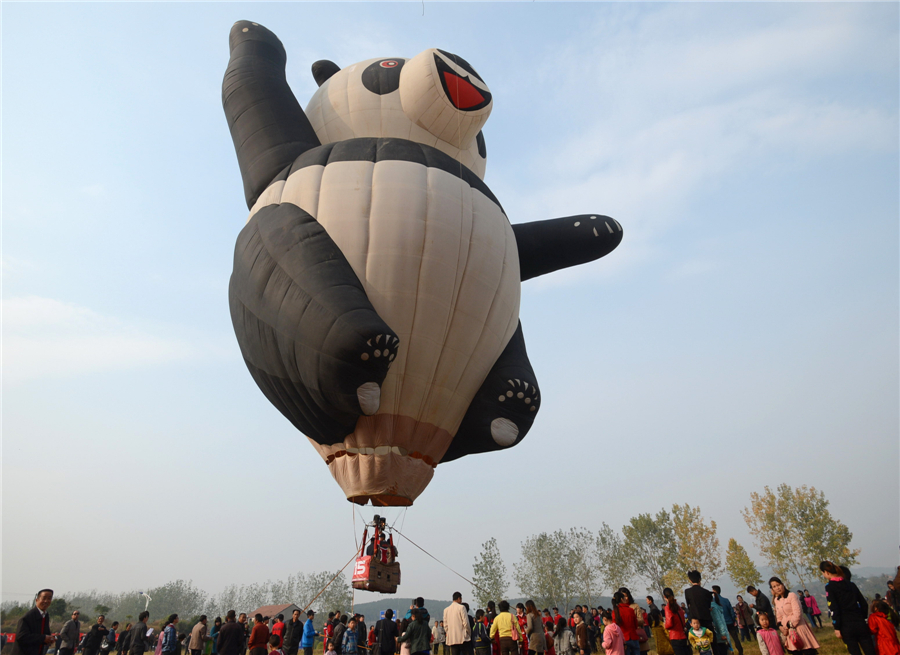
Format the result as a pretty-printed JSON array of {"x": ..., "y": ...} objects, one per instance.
[{"x": 375, "y": 291}]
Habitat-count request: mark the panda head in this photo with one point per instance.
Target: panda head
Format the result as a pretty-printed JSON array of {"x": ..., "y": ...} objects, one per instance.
[{"x": 435, "y": 98}]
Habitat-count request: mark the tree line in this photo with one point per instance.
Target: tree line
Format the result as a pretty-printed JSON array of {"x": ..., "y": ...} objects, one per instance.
[
  {"x": 792, "y": 529},
  {"x": 182, "y": 597}
]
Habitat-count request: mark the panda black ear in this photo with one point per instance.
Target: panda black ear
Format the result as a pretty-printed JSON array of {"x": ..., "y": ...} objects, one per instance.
[{"x": 324, "y": 69}]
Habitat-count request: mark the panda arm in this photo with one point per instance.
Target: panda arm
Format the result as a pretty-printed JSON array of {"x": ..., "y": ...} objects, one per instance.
[
  {"x": 547, "y": 246},
  {"x": 267, "y": 124}
]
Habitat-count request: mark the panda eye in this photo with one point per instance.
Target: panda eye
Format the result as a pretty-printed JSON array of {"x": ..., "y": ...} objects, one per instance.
[{"x": 389, "y": 63}]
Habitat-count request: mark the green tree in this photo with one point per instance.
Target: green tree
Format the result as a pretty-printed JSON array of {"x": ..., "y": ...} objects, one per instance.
[
  {"x": 616, "y": 569},
  {"x": 586, "y": 564},
  {"x": 548, "y": 570},
  {"x": 58, "y": 608},
  {"x": 102, "y": 609},
  {"x": 794, "y": 531},
  {"x": 697, "y": 546},
  {"x": 650, "y": 546},
  {"x": 740, "y": 567},
  {"x": 489, "y": 574}
]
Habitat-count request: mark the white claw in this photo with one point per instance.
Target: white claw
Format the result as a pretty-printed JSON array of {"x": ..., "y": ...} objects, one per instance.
[
  {"x": 369, "y": 395},
  {"x": 504, "y": 431}
]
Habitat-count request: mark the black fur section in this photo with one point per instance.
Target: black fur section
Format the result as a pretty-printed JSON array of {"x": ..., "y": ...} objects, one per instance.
[
  {"x": 511, "y": 372},
  {"x": 302, "y": 320},
  {"x": 547, "y": 246}
]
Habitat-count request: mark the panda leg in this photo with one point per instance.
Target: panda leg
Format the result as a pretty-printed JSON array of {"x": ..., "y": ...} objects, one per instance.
[
  {"x": 268, "y": 126},
  {"x": 314, "y": 343},
  {"x": 547, "y": 246},
  {"x": 504, "y": 408}
]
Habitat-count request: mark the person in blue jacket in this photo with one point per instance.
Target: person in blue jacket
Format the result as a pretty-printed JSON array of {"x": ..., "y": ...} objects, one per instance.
[{"x": 309, "y": 634}]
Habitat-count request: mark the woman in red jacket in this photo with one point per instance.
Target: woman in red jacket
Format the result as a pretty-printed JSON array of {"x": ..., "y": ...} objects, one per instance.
[
  {"x": 625, "y": 618},
  {"x": 883, "y": 631},
  {"x": 675, "y": 624}
]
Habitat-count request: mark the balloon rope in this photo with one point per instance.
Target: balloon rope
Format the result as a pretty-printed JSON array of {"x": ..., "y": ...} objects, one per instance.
[
  {"x": 440, "y": 562},
  {"x": 330, "y": 581}
]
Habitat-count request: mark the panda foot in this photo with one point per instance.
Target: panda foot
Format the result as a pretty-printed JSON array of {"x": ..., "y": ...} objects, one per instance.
[
  {"x": 382, "y": 346},
  {"x": 520, "y": 399}
]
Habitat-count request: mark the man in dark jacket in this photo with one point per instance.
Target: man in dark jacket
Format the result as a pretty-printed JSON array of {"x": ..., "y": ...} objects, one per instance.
[
  {"x": 94, "y": 638},
  {"x": 386, "y": 634},
  {"x": 699, "y": 601},
  {"x": 33, "y": 629},
  {"x": 231, "y": 636},
  {"x": 762, "y": 603},
  {"x": 293, "y": 631},
  {"x": 69, "y": 635},
  {"x": 139, "y": 641}
]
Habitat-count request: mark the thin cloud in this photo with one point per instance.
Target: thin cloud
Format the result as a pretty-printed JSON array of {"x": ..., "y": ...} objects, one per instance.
[{"x": 47, "y": 338}]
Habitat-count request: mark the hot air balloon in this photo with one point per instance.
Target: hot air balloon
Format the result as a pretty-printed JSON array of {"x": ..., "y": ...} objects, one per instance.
[{"x": 376, "y": 284}]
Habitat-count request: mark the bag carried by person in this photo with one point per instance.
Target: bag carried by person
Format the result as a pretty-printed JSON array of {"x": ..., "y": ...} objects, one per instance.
[
  {"x": 663, "y": 645},
  {"x": 514, "y": 628},
  {"x": 642, "y": 635},
  {"x": 794, "y": 638}
]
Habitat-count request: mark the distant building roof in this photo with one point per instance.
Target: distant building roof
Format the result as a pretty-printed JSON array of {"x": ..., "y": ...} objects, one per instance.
[{"x": 274, "y": 610}]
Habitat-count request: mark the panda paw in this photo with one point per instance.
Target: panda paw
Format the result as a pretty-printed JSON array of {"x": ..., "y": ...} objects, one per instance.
[
  {"x": 381, "y": 346},
  {"x": 519, "y": 401}
]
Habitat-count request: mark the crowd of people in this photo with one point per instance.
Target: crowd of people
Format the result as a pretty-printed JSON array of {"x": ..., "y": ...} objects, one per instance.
[{"x": 706, "y": 623}]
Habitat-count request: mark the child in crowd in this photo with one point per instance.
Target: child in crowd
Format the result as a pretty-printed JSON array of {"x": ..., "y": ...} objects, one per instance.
[
  {"x": 351, "y": 637},
  {"x": 700, "y": 638},
  {"x": 481, "y": 638},
  {"x": 273, "y": 645},
  {"x": 883, "y": 632},
  {"x": 613, "y": 639},
  {"x": 330, "y": 650},
  {"x": 769, "y": 639}
]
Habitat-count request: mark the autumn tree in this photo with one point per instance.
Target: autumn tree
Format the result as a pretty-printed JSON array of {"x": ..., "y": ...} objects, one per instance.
[
  {"x": 794, "y": 531},
  {"x": 489, "y": 574},
  {"x": 697, "y": 546},
  {"x": 616, "y": 569},
  {"x": 740, "y": 567},
  {"x": 650, "y": 547}
]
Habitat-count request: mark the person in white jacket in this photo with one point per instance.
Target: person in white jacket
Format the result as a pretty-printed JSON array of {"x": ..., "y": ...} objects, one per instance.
[{"x": 456, "y": 626}]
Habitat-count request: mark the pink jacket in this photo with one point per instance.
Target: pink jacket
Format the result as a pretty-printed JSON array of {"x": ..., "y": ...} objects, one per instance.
[
  {"x": 812, "y": 605},
  {"x": 613, "y": 640}
]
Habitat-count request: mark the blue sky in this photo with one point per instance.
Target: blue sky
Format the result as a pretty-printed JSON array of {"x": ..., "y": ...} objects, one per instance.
[{"x": 744, "y": 334}]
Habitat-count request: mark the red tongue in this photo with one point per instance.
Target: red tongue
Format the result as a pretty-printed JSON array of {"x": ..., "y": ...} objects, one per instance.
[{"x": 462, "y": 94}]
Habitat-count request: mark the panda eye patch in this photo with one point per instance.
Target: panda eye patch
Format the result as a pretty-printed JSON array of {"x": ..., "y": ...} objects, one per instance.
[{"x": 383, "y": 77}]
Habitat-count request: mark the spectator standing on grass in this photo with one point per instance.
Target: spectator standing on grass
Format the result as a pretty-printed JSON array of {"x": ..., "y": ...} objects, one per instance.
[
  {"x": 198, "y": 636},
  {"x": 729, "y": 619},
  {"x": 456, "y": 626},
  {"x": 720, "y": 642},
  {"x": 362, "y": 632},
  {"x": 481, "y": 637},
  {"x": 768, "y": 638},
  {"x": 625, "y": 618},
  {"x": 883, "y": 632},
  {"x": 613, "y": 639},
  {"x": 761, "y": 602},
  {"x": 581, "y": 635},
  {"x": 139, "y": 640},
  {"x": 123, "y": 643},
  {"x": 419, "y": 604},
  {"x": 744, "y": 617},
  {"x": 278, "y": 630},
  {"x": 337, "y": 635},
  {"x": 231, "y": 637},
  {"x": 94, "y": 639},
  {"x": 699, "y": 601},
  {"x": 293, "y": 632},
  {"x": 791, "y": 620},
  {"x": 534, "y": 629},
  {"x": 437, "y": 637},
  {"x": 274, "y": 645},
  {"x": 674, "y": 624},
  {"x": 169, "y": 636},
  {"x": 214, "y": 635},
  {"x": 108, "y": 645},
  {"x": 259, "y": 636},
  {"x": 308, "y": 640},
  {"x": 417, "y": 635},
  {"x": 505, "y": 628},
  {"x": 386, "y": 634},
  {"x": 351, "y": 639},
  {"x": 70, "y": 634},
  {"x": 564, "y": 642},
  {"x": 33, "y": 629},
  {"x": 814, "y": 613},
  {"x": 242, "y": 622},
  {"x": 848, "y": 609}
]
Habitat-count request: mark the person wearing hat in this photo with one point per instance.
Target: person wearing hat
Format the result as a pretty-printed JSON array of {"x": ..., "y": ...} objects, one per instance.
[
  {"x": 309, "y": 634},
  {"x": 33, "y": 629}
]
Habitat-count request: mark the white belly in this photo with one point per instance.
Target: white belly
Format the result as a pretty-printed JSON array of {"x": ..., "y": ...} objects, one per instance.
[{"x": 439, "y": 263}]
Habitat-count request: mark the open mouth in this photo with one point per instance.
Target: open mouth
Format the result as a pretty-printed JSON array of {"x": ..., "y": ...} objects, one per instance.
[{"x": 464, "y": 95}]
